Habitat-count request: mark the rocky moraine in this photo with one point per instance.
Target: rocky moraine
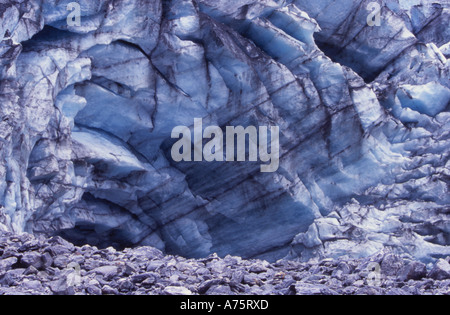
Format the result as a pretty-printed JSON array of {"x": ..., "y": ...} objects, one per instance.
[{"x": 40, "y": 266}]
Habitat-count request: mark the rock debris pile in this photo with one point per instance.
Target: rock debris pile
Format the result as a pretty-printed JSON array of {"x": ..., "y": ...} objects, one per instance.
[{"x": 39, "y": 266}]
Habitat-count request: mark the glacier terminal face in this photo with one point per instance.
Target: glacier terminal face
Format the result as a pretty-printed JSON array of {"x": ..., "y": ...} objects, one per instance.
[{"x": 87, "y": 113}]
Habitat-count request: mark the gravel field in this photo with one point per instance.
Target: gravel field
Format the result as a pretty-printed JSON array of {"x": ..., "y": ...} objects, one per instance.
[{"x": 39, "y": 266}]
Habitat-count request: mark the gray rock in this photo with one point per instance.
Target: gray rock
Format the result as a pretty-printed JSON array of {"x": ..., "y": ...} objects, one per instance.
[
  {"x": 217, "y": 266},
  {"x": 6, "y": 264},
  {"x": 33, "y": 285},
  {"x": 130, "y": 269},
  {"x": 31, "y": 245},
  {"x": 107, "y": 272},
  {"x": 238, "y": 276},
  {"x": 31, "y": 271},
  {"x": 359, "y": 284},
  {"x": 351, "y": 279},
  {"x": 154, "y": 265},
  {"x": 440, "y": 271},
  {"x": 444, "y": 284},
  {"x": 107, "y": 290},
  {"x": 149, "y": 282},
  {"x": 93, "y": 289},
  {"x": 339, "y": 275},
  {"x": 146, "y": 253},
  {"x": 397, "y": 292},
  {"x": 91, "y": 264},
  {"x": 203, "y": 271},
  {"x": 204, "y": 287},
  {"x": 251, "y": 279},
  {"x": 126, "y": 286},
  {"x": 59, "y": 250},
  {"x": 345, "y": 268},
  {"x": 12, "y": 277},
  {"x": 391, "y": 265},
  {"x": 241, "y": 289},
  {"x": 350, "y": 290},
  {"x": 413, "y": 271},
  {"x": 427, "y": 284},
  {"x": 47, "y": 260},
  {"x": 150, "y": 276},
  {"x": 411, "y": 290},
  {"x": 61, "y": 287},
  {"x": 258, "y": 268},
  {"x": 302, "y": 288},
  {"x": 57, "y": 241},
  {"x": 177, "y": 291},
  {"x": 32, "y": 259},
  {"x": 220, "y": 290},
  {"x": 369, "y": 291},
  {"x": 61, "y": 262},
  {"x": 14, "y": 292},
  {"x": 11, "y": 252}
]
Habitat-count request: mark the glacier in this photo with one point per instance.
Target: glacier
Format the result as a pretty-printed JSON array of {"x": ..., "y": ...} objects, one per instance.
[{"x": 87, "y": 113}]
